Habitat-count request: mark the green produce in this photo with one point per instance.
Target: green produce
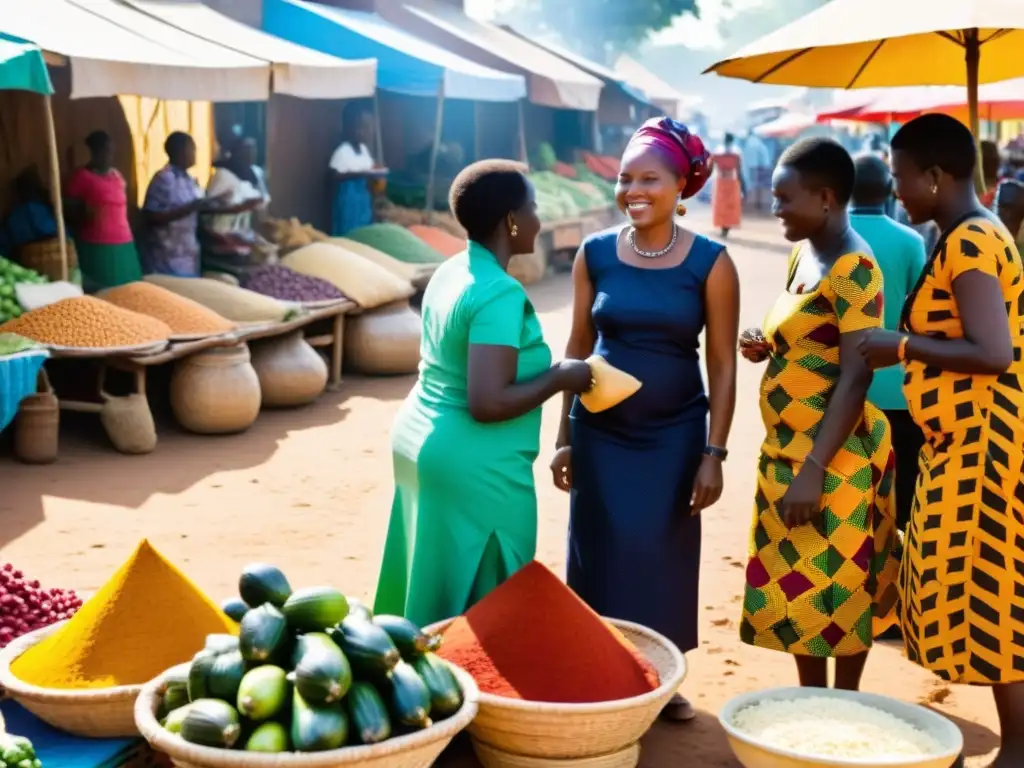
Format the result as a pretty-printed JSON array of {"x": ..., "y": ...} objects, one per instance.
[
  {"x": 268, "y": 737},
  {"x": 198, "y": 674},
  {"x": 263, "y": 632},
  {"x": 410, "y": 640},
  {"x": 172, "y": 723},
  {"x": 445, "y": 693},
  {"x": 315, "y": 729},
  {"x": 178, "y": 676},
  {"x": 545, "y": 157},
  {"x": 322, "y": 673},
  {"x": 10, "y": 275},
  {"x": 175, "y": 697},
  {"x": 367, "y": 713},
  {"x": 315, "y": 608},
  {"x": 17, "y": 752},
  {"x": 366, "y": 646},
  {"x": 408, "y": 696},
  {"x": 235, "y": 608},
  {"x": 221, "y": 643},
  {"x": 263, "y": 693},
  {"x": 12, "y": 343},
  {"x": 261, "y": 583},
  {"x": 398, "y": 242},
  {"x": 225, "y": 676},
  {"x": 211, "y": 723},
  {"x": 358, "y": 610}
]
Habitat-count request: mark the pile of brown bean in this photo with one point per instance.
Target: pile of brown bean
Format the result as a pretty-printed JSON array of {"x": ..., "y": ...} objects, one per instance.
[
  {"x": 88, "y": 323},
  {"x": 182, "y": 315}
]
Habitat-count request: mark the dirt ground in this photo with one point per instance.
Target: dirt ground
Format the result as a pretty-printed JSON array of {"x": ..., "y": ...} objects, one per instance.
[{"x": 310, "y": 491}]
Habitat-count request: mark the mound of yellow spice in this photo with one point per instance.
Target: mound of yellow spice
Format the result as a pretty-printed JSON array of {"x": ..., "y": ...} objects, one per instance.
[{"x": 147, "y": 618}]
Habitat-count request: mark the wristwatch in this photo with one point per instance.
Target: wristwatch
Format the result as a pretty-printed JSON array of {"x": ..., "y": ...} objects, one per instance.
[{"x": 716, "y": 453}]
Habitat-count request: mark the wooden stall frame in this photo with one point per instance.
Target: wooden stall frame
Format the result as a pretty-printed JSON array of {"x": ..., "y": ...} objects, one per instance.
[
  {"x": 55, "y": 185},
  {"x": 435, "y": 151}
]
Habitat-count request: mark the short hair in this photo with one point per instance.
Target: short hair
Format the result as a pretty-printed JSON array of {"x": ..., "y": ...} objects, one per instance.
[
  {"x": 938, "y": 141},
  {"x": 355, "y": 110},
  {"x": 484, "y": 193},
  {"x": 823, "y": 162},
  {"x": 729, "y": 138},
  {"x": 990, "y": 159},
  {"x": 97, "y": 141},
  {"x": 872, "y": 179},
  {"x": 176, "y": 142}
]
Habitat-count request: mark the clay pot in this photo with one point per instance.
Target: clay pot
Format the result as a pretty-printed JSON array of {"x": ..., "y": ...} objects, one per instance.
[
  {"x": 216, "y": 392},
  {"x": 37, "y": 429},
  {"x": 384, "y": 341},
  {"x": 291, "y": 372}
]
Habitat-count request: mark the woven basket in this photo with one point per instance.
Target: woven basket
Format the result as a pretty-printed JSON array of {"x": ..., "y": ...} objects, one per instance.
[
  {"x": 417, "y": 750},
  {"x": 573, "y": 731},
  {"x": 44, "y": 258},
  {"x": 103, "y": 713}
]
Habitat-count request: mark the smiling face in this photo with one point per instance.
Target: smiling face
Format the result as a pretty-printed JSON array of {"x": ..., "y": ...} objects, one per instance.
[
  {"x": 647, "y": 189},
  {"x": 802, "y": 208},
  {"x": 916, "y": 189}
]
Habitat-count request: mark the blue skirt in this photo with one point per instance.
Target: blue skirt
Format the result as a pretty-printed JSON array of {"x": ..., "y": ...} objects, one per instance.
[{"x": 352, "y": 208}]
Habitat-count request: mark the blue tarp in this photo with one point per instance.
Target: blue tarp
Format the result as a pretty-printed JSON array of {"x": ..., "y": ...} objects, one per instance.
[
  {"x": 405, "y": 64},
  {"x": 62, "y": 750}
]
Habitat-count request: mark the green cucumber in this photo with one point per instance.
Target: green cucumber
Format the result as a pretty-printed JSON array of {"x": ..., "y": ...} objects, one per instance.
[
  {"x": 235, "y": 608},
  {"x": 221, "y": 643},
  {"x": 315, "y": 729},
  {"x": 366, "y": 646},
  {"x": 408, "y": 696},
  {"x": 211, "y": 723},
  {"x": 263, "y": 632},
  {"x": 358, "y": 610},
  {"x": 261, "y": 583},
  {"x": 225, "y": 675},
  {"x": 263, "y": 693},
  {"x": 172, "y": 723},
  {"x": 410, "y": 640},
  {"x": 445, "y": 693},
  {"x": 268, "y": 737},
  {"x": 314, "y": 609},
  {"x": 177, "y": 676},
  {"x": 175, "y": 697},
  {"x": 198, "y": 673},
  {"x": 367, "y": 713},
  {"x": 322, "y": 673}
]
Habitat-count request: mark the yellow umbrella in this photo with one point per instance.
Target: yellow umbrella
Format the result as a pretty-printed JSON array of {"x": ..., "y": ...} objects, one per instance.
[{"x": 887, "y": 43}]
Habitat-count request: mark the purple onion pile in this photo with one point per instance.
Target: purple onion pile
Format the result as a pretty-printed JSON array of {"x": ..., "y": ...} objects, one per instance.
[
  {"x": 26, "y": 606},
  {"x": 280, "y": 282}
]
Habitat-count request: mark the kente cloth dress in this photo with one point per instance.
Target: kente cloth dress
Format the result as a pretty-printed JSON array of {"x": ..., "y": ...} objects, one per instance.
[
  {"x": 963, "y": 569},
  {"x": 727, "y": 192},
  {"x": 634, "y": 546},
  {"x": 825, "y": 588},
  {"x": 464, "y": 516}
]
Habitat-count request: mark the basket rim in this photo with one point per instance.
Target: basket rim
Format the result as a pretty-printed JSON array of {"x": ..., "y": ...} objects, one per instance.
[
  {"x": 734, "y": 705},
  {"x": 18, "y": 688},
  {"x": 598, "y": 707},
  {"x": 176, "y": 747}
]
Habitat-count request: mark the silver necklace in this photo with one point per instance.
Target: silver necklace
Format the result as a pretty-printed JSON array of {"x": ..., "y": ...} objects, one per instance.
[{"x": 653, "y": 254}]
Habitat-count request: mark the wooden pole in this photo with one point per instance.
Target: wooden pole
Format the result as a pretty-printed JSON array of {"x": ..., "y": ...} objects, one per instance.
[
  {"x": 55, "y": 192},
  {"x": 378, "y": 128},
  {"x": 972, "y": 57},
  {"x": 476, "y": 131},
  {"x": 523, "y": 156},
  {"x": 435, "y": 150}
]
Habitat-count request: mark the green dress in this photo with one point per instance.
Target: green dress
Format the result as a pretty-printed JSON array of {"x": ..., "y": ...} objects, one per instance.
[{"x": 464, "y": 516}]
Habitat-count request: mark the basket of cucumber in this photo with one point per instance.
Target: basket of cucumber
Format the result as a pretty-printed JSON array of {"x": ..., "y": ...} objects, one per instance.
[{"x": 312, "y": 680}]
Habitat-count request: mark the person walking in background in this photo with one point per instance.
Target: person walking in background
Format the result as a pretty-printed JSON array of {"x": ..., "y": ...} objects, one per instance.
[
  {"x": 464, "y": 515},
  {"x": 991, "y": 162},
  {"x": 353, "y": 171},
  {"x": 757, "y": 167},
  {"x": 821, "y": 578},
  {"x": 961, "y": 342},
  {"x": 1009, "y": 204},
  {"x": 727, "y": 187},
  {"x": 899, "y": 252},
  {"x": 640, "y": 474}
]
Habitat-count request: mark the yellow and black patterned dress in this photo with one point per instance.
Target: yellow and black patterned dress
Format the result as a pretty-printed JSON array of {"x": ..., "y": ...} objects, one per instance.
[
  {"x": 815, "y": 590},
  {"x": 963, "y": 568}
]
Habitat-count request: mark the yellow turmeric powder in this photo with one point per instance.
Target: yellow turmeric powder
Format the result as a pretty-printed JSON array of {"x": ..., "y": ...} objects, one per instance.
[{"x": 147, "y": 618}]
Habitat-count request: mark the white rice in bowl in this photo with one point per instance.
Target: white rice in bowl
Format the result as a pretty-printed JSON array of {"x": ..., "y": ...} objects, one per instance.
[{"x": 826, "y": 727}]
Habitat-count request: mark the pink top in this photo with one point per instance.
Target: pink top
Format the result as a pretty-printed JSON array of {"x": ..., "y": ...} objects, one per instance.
[{"x": 106, "y": 197}]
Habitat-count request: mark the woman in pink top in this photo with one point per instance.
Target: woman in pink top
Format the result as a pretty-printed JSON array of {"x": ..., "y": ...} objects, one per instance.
[{"x": 99, "y": 204}]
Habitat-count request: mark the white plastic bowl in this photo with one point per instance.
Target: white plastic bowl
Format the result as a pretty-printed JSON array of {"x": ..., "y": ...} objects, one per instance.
[{"x": 755, "y": 754}]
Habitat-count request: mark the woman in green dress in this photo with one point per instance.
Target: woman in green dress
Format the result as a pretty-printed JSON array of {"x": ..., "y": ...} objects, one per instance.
[{"x": 464, "y": 516}]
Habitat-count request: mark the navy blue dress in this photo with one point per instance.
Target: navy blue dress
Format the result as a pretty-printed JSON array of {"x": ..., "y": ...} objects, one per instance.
[{"x": 634, "y": 547}]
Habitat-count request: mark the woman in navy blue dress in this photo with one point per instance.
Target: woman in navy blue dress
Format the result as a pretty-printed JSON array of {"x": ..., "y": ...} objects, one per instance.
[{"x": 639, "y": 474}]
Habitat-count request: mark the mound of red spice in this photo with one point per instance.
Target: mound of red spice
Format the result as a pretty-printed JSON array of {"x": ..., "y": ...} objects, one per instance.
[{"x": 532, "y": 638}]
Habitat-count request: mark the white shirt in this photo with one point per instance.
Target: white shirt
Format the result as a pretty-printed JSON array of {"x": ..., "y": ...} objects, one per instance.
[{"x": 347, "y": 160}]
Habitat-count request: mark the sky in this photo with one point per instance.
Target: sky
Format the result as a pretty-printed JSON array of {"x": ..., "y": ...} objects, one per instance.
[{"x": 695, "y": 33}]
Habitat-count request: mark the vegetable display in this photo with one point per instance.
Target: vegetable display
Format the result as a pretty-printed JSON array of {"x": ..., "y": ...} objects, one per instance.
[
  {"x": 12, "y": 344},
  {"x": 87, "y": 322},
  {"x": 281, "y": 282},
  {"x": 25, "y": 606},
  {"x": 561, "y": 198},
  {"x": 17, "y": 752},
  {"x": 10, "y": 275},
  {"x": 182, "y": 315},
  {"x": 311, "y": 670},
  {"x": 396, "y": 241}
]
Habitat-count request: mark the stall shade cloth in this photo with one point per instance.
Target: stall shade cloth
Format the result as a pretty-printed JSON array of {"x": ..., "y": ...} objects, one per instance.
[
  {"x": 114, "y": 49},
  {"x": 996, "y": 102},
  {"x": 298, "y": 71},
  {"x": 553, "y": 82},
  {"x": 405, "y": 64},
  {"x": 22, "y": 67}
]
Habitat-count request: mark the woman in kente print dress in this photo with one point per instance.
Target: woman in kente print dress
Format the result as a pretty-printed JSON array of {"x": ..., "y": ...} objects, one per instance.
[
  {"x": 961, "y": 342},
  {"x": 821, "y": 578}
]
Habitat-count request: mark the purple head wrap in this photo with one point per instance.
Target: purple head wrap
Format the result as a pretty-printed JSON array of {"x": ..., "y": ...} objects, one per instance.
[{"x": 683, "y": 150}]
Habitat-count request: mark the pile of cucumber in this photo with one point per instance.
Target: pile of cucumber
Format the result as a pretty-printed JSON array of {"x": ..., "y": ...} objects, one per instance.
[{"x": 310, "y": 670}]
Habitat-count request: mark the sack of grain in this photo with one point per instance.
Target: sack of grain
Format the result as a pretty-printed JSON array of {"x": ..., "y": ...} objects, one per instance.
[
  {"x": 448, "y": 223},
  {"x": 385, "y": 342},
  {"x": 367, "y": 284},
  {"x": 528, "y": 268},
  {"x": 184, "y": 316},
  {"x": 398, "y": 242},
  {"x": 443, "y": 242},
  {"x": 228, "y": 301},
  {"x": 408, "y": 272},
  {"x": 86, "y": 322}
]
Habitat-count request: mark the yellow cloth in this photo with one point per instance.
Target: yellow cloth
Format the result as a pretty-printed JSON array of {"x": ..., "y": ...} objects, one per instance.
[{"x": 611, "y": 386}]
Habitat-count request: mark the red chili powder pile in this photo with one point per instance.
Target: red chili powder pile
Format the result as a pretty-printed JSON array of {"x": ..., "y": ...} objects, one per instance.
[{"x": 532, "y": 638}]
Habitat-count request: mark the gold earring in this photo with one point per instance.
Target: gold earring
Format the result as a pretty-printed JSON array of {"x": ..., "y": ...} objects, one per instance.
[
  {"x": 680, "y": 209},
  {"x": 826, "y": 209},
  {"x": 514, "y": 231},
  {"x": 935, "y": 189}
]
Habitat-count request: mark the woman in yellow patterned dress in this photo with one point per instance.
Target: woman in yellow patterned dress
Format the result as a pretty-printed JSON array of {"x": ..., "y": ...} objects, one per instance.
[
  {"x": 961, "y": 342},
  {"x": 821, "y": 574}
]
